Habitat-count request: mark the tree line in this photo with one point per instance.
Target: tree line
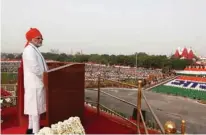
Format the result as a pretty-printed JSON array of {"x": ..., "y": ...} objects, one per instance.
[{"x": 139, "y": 59}]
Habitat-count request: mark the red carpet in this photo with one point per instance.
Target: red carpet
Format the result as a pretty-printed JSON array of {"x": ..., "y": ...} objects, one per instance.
[{"x": 102, "y": 124}]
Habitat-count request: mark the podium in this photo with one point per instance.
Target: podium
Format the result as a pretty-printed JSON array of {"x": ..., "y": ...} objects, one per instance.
[{"x": 64, "y": 88}]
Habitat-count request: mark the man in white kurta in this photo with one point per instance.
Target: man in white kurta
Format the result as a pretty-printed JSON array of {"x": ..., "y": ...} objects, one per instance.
[{"x": 34, "y": 66}]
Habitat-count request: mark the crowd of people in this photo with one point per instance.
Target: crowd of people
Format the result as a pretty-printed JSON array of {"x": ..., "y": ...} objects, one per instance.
[
  {"x": 93, "y": 70},
  {"x": 10, "y": 66},
  {"x": 119, "y": 72}
]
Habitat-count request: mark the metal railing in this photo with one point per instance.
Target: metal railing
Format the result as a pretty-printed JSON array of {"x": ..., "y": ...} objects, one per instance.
[{"x": 140, "y": 95}]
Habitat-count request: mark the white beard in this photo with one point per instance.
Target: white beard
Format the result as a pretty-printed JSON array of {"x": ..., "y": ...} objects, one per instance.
[{"x": 38, "y": 45}]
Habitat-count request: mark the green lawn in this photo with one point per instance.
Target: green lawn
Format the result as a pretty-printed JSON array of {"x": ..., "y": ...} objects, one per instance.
[
  {"x": 190, "y": 93},
  {"x": 8, "y": 78}
]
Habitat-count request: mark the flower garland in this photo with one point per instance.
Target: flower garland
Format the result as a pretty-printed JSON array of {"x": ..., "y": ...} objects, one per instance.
[
  {"x": 5, "y": 93},
  {"x": 5, "y": 101},
  {"x": 71, "y": 126}
]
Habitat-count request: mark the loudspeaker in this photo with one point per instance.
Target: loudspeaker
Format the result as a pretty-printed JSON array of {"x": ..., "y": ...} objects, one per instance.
[{"x": 134, "y": 115}]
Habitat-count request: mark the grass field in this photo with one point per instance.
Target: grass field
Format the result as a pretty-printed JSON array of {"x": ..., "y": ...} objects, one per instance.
[
  {"x": 190, "y": 93},
  {"x": 8, "y": 78}
]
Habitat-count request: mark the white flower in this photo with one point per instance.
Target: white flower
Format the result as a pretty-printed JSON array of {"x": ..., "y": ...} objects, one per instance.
[
  {"x": 45, "y": 131},
  {"x": 8, "y": 100},
  {"x": 60, "y": 128},
  {"x": 1, "y": 101},
  {"x": 70, "y": 126},
  {"x": 54, "y": 128}
]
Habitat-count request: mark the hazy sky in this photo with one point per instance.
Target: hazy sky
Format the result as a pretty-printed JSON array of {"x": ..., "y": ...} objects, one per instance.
[{"x": 106, "y": 26}]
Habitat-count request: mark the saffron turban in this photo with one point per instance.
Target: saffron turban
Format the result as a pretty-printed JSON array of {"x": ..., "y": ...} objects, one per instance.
[{"x": 32, "y": 33}]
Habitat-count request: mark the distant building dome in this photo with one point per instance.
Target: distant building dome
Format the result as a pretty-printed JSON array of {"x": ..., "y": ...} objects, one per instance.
[{"x": 184, "y": 53}]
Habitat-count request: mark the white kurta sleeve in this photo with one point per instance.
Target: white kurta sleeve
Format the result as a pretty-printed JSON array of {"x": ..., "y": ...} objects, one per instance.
[{"x": 30, "y": 59}]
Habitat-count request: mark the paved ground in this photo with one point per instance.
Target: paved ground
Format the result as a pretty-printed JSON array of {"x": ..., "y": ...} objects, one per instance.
[{"x": 166, "y": 107}]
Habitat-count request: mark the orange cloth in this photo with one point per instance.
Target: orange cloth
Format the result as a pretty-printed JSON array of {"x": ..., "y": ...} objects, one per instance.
[
  {"x": 193, "y": 78},
  {"x": 32, "y": 33}
]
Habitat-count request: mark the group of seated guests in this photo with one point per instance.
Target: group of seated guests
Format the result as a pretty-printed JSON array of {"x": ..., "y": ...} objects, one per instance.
[
  {"x": 5, "y": 93},
  {"x": 196, "y": 68},
  {"x": 119, "y": 73},
  {"x": 9, "y": 66}
]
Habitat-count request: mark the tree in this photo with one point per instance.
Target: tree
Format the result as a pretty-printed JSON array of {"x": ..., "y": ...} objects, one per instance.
[
  {"x": 143, "y": 59},
  {"x": 180, "y": 64},
  {"x": 10, "y": 56}
]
